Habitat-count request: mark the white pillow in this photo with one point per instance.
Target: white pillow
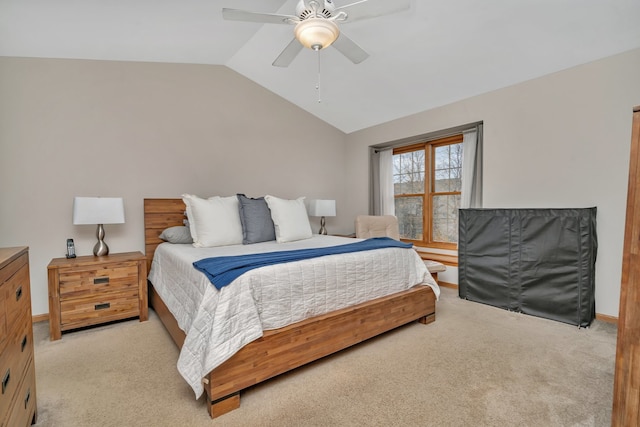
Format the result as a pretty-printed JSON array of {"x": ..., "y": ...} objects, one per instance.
[
  {"x": 289, "y": 218},
  {"x": 214, "y": 221}
]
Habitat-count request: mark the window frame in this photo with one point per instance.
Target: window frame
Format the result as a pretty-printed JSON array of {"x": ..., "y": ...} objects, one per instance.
[{"x": 429, "y": 190}]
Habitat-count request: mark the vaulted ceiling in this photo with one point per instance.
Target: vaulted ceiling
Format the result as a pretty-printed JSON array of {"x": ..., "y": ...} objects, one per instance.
[{"x": 435, "y": 53}]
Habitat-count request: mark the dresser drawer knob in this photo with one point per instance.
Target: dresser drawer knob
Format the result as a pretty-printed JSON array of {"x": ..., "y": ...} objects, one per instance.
[
  {"x": 101, "y": 280},
  {"x": 102, "y": 306},
  {"x": 19, "y": 293},
  {"x": 27, "y": 397},
  {"x": 5, "y": 380},
  {"x": 23, "y": 344}
]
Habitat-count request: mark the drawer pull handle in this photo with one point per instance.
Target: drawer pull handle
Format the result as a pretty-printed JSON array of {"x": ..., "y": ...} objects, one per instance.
[
  {"x": 5, "y": 380},
  {"x": 101, "y": 280},
  {"x": 102, "y": 306},
  {"x": 18, "y": 293},
  {"x": 23, "y": 344},
  {"x": 27, "y": 397}
]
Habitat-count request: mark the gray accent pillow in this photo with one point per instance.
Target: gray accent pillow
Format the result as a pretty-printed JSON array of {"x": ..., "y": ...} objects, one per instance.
[
  {"x": 255, "y": 217},
  {"x": 178, "y": 234}
]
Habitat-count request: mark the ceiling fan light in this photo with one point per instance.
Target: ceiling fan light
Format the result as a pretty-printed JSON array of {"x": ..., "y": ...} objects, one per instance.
[{"x": 316, "y": 33}]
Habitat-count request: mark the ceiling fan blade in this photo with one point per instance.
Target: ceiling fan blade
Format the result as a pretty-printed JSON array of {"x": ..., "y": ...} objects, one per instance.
[
  {"x": 269, "y": 18},
  {"x": 350, "y": 49},
  {"x": 288, "y": 54},
  {"x": 366, "y": 9}
]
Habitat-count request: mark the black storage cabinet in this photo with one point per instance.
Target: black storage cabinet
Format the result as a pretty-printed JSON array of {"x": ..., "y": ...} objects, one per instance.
[{"x": 535, "y": 261}]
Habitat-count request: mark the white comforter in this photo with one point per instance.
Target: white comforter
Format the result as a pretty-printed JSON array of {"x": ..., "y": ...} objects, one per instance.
[{"x": 218, "y": 323}]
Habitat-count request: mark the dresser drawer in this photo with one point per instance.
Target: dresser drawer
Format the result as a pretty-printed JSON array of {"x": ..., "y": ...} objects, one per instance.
[
  {"x": 4, "y": 330},
  {"x": 10, "y": 379},
  {"x": 13, "y": 361},
  {"x": 21, "y": 343},
  {"x": 97, "y": 279},
  {"x": 24, "y": 407},
  {"x": 17, "y": 295},
  {"x": 100, "y": 308},
  {"x": 14, "y": 294},
  {"x": 12, "y": 267}
]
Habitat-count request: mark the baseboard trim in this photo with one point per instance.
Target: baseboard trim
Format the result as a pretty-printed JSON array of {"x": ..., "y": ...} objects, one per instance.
[
  {"x": 607, "y": 318},
  {"x": 602, "y": 317},
  {"x": 447, "y": 285},
  {"x": 40, "y": 318}
]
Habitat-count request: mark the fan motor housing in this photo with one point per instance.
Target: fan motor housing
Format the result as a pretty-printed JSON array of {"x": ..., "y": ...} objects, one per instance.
[{"x": 315, "y": 9}]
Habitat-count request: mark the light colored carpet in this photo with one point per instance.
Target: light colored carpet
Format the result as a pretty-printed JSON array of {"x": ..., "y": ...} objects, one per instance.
[{"x": 475, "y": 366}]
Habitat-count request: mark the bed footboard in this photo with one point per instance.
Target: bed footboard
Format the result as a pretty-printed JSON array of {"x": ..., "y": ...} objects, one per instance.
[{"x": 287, "y": 348}]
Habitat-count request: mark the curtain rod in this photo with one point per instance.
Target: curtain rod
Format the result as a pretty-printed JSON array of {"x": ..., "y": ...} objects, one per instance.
[{"x": 427, "y": 137}]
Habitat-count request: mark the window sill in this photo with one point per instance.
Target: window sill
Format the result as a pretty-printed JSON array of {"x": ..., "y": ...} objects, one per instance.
[{"x": 451, "y": 260}]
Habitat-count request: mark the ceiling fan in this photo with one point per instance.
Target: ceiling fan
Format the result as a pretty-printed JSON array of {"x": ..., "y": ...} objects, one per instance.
[{"x": 316, "y": 25}]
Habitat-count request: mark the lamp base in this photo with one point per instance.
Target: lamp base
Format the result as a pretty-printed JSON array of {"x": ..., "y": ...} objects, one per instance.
[
  {"x": 101, "y": 248},
  {"x": 323, "y": 230}
]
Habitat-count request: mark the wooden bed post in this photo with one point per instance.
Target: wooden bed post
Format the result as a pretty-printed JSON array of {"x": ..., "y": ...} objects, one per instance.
[
  {"x": 224, "y": 405},
  {"x": 429, "y": 318}
]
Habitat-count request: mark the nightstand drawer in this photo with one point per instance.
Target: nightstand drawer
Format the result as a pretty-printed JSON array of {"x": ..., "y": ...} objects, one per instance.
[
  {"x": 94, "y": 309},
  {"x": 80, "y": 282}
]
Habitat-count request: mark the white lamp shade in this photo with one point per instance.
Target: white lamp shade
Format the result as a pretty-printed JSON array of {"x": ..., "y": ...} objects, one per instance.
[
  {"x": 98, "y": 210},
  {"x": 322, "y": 207}
]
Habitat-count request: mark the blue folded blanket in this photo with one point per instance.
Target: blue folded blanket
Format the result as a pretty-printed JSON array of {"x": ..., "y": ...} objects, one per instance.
[{"x": 225, "y": 269}]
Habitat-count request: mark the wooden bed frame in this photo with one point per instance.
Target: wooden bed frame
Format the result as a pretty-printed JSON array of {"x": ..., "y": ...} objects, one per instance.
[{"x": 283, "y": 349}]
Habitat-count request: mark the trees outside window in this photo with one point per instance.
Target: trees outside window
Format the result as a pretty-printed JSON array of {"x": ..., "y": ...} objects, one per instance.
[{"x": 427, "y": 180}]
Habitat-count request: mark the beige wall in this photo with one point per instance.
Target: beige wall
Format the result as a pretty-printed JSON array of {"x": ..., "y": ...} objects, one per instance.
[
  {"x": 134, "y": 130},
  {"x": 557, "y": 141}
]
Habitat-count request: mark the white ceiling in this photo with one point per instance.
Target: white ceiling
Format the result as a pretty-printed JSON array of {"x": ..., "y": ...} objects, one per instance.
[{"x": 438, "y": 52}]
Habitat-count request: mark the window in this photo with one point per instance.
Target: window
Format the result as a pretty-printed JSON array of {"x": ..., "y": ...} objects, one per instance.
[{"x": 427, "y": 181}]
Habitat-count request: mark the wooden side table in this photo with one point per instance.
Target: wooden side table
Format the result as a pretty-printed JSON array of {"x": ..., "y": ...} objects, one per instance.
[{"x": 90, "y": 290}]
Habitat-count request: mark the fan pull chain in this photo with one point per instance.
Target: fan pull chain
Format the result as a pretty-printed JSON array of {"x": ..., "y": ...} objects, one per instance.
[{"x": 318, "y": 84}]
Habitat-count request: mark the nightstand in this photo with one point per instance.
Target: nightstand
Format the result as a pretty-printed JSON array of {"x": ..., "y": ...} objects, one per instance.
[{"x": 90, "y": 290}]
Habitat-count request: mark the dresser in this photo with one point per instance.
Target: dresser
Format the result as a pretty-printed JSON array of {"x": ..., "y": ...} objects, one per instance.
[
  {"x": 18, "y": 398},
  {"x": 91, "y": 290},
  {"x": 626, "y": 387}
]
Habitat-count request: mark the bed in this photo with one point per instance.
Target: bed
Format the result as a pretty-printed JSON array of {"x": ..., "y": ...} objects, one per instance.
[{"x": 285, "y": 348}]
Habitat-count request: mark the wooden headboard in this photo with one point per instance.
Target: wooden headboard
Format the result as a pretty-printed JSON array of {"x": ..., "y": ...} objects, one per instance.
[{"x": 158, "y": 215}]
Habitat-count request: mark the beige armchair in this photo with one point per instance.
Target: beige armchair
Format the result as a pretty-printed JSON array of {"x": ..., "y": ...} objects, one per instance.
[{"x": 368, "y": 226}]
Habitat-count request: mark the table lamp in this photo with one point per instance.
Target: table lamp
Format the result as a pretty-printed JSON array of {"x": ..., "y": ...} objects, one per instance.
[
  {"x": 322, "y": 208},
  {"x": 98, "y": 210}
]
